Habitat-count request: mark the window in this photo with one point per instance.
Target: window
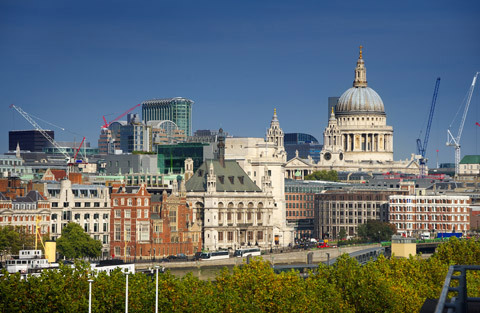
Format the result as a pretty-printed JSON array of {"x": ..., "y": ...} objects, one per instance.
[
  {"x": 77, "y": 216},
  {"x": 145, "y": 213},
  {"x": 87, "y": 204},
  {"x": 118, "y": 213},
  {"x": 139, "y": 213},
  {"x": 95, "y": 227},
  {"x": 239, "y": 216},
  {"x": 129, "y": 202},
  {"x": 220, "y": 236},
  {"x": 54, "y": 204},
  {"x": 115, "y": 202},
  {"x": 127, "y": 232},
  {"x": 127, "y": 213},
  {"x": 95, "y": 216},
  {"x": 139, "y": 202},
  {"x": 105, "y": 227},
  {"x": 118, "y": 232},
  {"x": 86, "y": 216},
  {"x": 96, "y": 204},
  {"x": 86, "y": 226},
  {"x": 117, "y": 251},
  {"x": 259, "y": 235},
  {"x": 146, "y": 202},
  {"x": 144, "y": 232},
  {"x": 230, "y": 236},
  {"x": 105, "y": 239},
  {"x": 78, "y": 204}
]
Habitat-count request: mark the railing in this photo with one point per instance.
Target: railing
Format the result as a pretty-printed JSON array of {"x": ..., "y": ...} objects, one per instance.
[{"x": 460, "y": 302}]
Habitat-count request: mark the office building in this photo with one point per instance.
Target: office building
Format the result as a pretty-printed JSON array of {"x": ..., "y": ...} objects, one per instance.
[
  {"x": 302, "y": 145},
  {"x": 177, "y": 110},
  {"x": 29, "y": 140}
]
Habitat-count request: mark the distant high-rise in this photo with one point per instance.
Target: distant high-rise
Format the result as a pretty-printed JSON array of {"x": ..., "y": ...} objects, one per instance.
[
  {"x": 177, "y": 110},
  {"x": 31, "y": 140}
]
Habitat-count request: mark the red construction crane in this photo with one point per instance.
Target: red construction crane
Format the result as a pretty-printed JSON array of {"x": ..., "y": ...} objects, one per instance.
[
  {"x": 75, "y": 157},
  {"x": 476, "y": 123},
  {"x": 106, "y": 124}
]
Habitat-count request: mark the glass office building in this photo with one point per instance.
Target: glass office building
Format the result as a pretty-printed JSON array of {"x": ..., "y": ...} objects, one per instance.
[
  {"x": 177, "y": 110},
  {"x": 305, "y": 144},
  {"x": 171, "y": 158}
]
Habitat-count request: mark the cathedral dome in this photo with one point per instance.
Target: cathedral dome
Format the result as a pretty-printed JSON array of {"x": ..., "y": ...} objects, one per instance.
[{"x": 360, "y": 99}]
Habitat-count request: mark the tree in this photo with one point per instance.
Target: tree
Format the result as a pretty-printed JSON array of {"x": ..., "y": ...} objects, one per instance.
[
  {"x": 376, "y": 231},
  {"x": 323, "y": 175},
  {"x": 342, "y": 234},
  {"x": 13, "y": 239},
  {"x": 76, "y": 243}
]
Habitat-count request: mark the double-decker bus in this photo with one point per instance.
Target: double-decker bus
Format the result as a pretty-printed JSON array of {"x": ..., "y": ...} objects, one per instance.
[
  {"x": 216, "y": 255},
  {"x": 246, "y": 252}
]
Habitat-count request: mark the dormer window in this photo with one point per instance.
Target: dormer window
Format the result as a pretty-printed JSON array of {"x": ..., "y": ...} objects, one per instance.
[
  {"x": 240, "y": 179},
  {"x": 230, "y": 178},
  {"x": 221, "y": 179}
]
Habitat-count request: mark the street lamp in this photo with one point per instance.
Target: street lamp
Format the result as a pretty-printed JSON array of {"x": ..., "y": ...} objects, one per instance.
[
  {"x": 126, "y": 294},
  {"x": 90, "y": 295},
  {"x": 156, "y": 289}
]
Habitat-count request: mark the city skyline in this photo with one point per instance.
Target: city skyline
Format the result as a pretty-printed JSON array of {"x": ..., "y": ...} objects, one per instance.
[{"x": 72, "y": 64}]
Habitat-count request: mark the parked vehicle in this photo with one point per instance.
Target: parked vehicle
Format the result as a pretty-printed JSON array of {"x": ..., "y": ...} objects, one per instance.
[
  {"x": 216, "y": 255},
  {"x": 246, "y": 252}
]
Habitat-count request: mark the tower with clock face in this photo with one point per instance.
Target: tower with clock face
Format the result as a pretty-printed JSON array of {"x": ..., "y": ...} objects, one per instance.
[{"x": 332, "y": 152}]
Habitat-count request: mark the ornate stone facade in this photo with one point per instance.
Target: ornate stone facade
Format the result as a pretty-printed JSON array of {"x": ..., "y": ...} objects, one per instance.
[{"x": 357, "y": 137}]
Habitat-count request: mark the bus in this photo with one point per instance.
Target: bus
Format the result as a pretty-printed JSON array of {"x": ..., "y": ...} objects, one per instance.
[
  {"x": 246, "y": 252},
  {"x": 216, "y": 255}
]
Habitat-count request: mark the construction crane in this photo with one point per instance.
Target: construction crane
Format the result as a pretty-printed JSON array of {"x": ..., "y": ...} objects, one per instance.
[
  {"x": 106, "y": 124},
  {"x": 422, "y": 149},
  {"x": 454, "y": 141},
  {"x": 42, "y": 131}
]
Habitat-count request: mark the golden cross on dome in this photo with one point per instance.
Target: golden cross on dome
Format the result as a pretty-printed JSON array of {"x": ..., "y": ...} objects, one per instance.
[
  {"x": 361, "y": 47},
  {"x": 275, "y": 111}
]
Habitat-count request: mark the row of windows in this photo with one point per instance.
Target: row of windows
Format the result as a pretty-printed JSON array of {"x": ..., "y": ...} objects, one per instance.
[
  {"x": 79, "y": 204},
  {"x": 67, "y": 216},
  {"x": 420, "y": 200},
  {"x": 300, "y": 213},
  {"x": 127, "y": 213},
  {"x": 130, "y": 201},
  {"x": 428, "y": 209},
  {"x": 299, "y": 197},
  {"x": 299, "y": 205}
]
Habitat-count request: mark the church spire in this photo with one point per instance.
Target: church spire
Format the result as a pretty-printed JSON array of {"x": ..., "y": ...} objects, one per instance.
[
  {"x": 360, "y": 71},
  {"x": 275, "y": 133}
]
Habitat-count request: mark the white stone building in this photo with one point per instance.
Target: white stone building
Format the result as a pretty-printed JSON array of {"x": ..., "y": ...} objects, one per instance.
[
  {"x": 264, "y": 162},
  {"x": 87, "y": 205},
  {"x": 357, "y": 137}
]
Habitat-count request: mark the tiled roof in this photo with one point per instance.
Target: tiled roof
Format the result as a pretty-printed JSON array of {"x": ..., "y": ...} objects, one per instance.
[
  {"x": 229, "y": 178},
  {"x": 470, "y": 159}
]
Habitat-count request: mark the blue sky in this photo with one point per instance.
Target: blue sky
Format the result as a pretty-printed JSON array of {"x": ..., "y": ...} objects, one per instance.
[{"x": 70, "y": 62}]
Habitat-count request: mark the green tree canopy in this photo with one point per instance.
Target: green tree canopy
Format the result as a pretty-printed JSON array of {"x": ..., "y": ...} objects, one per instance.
[
  {"x": 76, "y": 243},
  {"x": 13, "y": 239},
  {"x": 323, "y": 175},
  {"x": 376, "y": 231}
]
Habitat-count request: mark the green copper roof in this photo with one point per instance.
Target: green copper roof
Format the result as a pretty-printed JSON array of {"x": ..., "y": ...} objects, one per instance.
[
  {"x": 229, "y": 178},
  {"x": 470, "y": 159}
]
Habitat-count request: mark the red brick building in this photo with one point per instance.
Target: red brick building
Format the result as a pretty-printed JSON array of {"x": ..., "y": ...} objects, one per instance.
[{"x": 151, "y": 225}]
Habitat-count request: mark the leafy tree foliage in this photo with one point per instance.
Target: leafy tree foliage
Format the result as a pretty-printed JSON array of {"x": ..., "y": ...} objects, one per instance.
[
  {"x": 386, "y": 285},
  {"x": 76, "y": 243},
  {"x": 376, "y": 231},
  {"x": 13, "y": 239},
  {"x": 323, "y": 175}
]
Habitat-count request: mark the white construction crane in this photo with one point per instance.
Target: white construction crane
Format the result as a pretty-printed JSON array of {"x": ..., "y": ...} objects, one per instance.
[
  {"x": 43, "y": 132},
  {"x": 455, "y": 141}
]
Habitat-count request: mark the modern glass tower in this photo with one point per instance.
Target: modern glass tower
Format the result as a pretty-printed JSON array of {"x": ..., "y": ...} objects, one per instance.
[{"x": 177, "y": 110}]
